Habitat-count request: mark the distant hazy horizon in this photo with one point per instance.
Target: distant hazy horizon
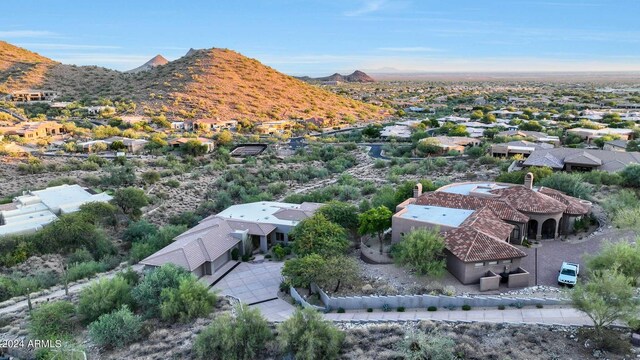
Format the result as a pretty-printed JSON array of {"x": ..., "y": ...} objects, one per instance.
[{"x": 318, "y": 38}]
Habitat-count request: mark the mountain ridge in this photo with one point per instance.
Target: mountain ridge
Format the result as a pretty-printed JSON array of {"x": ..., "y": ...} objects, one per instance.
[
  {"x": 157, "y": 60},
  {"x": 357, "y": 76},
  {"x": 207, "y": 83}
]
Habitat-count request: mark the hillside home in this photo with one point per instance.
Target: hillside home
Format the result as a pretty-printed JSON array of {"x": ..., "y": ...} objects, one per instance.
[
  {"x": 206, "y": 249},
  {"x": 536, "y": 136},
  {"x": 591, "y": 134},
  {"x": 32, "y": 130},
  {"x": 176, "y": 143},
  {"x": 273, "y": 127},
  {"x": 33, "y": 210},
  {"x": 402, "y": 132},
  {"x": 615, "y": 145},
  {"x": 481, "y": 221},
  {"x": 206, "y": 125},
  {"x": 33, "y": 95},
  {"x": 569, "y": 159},
  {"x": 521, "y": 147},
  {"x": 132, "y": 145},
  {"x": 454, "y": 143}
]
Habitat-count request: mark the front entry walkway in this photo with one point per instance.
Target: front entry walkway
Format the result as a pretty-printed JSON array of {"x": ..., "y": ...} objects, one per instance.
[{"x": 252, "y": 283}]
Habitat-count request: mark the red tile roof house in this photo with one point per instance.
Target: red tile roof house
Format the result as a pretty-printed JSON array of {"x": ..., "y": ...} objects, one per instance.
[
  {"x": 205, "y": 250},
  {"x": 481, "y": 221}
]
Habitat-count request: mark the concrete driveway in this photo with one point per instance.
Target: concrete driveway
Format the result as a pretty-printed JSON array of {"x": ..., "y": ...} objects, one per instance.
[
  {"x": 252, "y": 283},
  {"x": 553, "y": 252}
]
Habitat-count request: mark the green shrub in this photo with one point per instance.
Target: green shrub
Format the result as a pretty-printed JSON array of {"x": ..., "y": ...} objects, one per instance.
[
  {"x": 173, "y": 183},
  {"x": 432, "y": 308},
  {"x": 341, "y": 310},
  {"x": 102, "y": 297},
  {"x": 84, "y": 270},
  {"x": 466, "y": 307},
  {"x": 487, "y": 160},
  {"x": 400, "y": 309},
  {"x": 116, "y": 329},
  {"x": 501, "y": 307},
  {"x": 631, "y": 175},
  {"x": 147, "y": 294},
  {"x": 386, "y": 307},
  {"x": 138, "y": 230},
  {"x": 417, "y": 345},
  {"x": 240, "y": 337},
  {"x": 278, "y": 252},
  {"x": 539, "y": 306},
  {"x": 235, "y": 254},
  {"x": 308, "y": 336},
  {"x": 79, "y": 256},
  {"x": 55, "y": 319},
  {"x": 190, "y": 300},
  {"x": 369, "y": 310}
]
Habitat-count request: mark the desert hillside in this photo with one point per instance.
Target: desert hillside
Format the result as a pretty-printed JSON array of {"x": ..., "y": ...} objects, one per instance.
[
  {"x": 205, "y": 83},
  {"x": 20, "y": 68}
]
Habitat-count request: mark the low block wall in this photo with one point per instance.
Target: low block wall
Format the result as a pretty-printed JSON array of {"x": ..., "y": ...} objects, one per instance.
[
  {"x": 424, "y": 301},
  {"x": 300, "y": 300},
  {"x": 491, "y": 281},
  {"x": 519, "y": 279}
]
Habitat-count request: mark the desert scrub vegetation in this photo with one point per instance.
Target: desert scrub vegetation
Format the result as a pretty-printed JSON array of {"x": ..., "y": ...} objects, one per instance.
[{"x": 307, "y": 336}]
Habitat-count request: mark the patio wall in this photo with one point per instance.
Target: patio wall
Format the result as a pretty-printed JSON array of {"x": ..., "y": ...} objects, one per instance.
[{"x": 300, "y": 300}]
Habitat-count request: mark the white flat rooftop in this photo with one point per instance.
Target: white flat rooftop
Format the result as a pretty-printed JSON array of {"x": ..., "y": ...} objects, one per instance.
[
  {"x": 259, "y": 212},
  {"x": 63, "y": 195},
  {"x": 466, "y": 189},
  {"x": 437, "y": 214}
]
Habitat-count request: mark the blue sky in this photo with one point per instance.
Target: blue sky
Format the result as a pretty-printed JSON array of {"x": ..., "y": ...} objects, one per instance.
[{"x": 319, "y": 37}]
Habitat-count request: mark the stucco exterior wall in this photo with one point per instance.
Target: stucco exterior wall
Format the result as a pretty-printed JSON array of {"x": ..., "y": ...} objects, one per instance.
[
  {"x": 400, "y": 225},
  {"x": 469, "y": 273}
]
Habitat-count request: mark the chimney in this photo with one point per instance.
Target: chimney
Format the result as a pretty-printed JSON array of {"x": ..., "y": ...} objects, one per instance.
[
  {"x": 528, "y": 181},
  {"x": 417, "y": 190}
]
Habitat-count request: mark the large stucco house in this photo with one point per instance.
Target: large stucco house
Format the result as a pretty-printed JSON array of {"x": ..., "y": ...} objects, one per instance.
[
  {"x": 482, "y": 221},
  {"x": 205, "y": 250}
]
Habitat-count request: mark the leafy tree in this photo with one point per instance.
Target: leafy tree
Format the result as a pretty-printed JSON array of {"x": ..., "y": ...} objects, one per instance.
[
  {"x": 631, "y": 175},
  {"x": 422, "y": 250},
  {"x": 117, "y": 329},
  {"x": 570, "y": 184},
  {"x": 117, "y": 145},
  {"x": 607, "y": 296},
  {"x": 130, "y": 200},
  {"x": 317, "y": 235},
  {"x": 120, "y": 176},
  {"x": 225, "y": 137},
  {"x": 193, "y": 148},
  {"x": 476, "y": 114},
  {"x": 341, "y": 213},
  {"x": 530, "y": 126},
  {"x": 429, "y": 146},
  {"x": 151, "y": 177},
  {"x": 138, "y": 230},
  {"x": 405, "y": 190},
  {"x": 622, "y": 255},
  {"x": 147, "y": 294},
  {"x": 374, "y": 222},
  {"x": 339, "y": 270},
  {"x": 190, "y": 300},
  {"x": 633, "y": 146},
  {"x": 386, "y": 196},
  {"x": 303, "y": 271},
  {"x": 102, "y": 297},
  {"x": 307, "y": 336},
  {"x": 488, "y": 118},
  {"x": 240, "y": 337},
  {"x": 372, "y": 131},
  {"x": 51, "y": 320}
]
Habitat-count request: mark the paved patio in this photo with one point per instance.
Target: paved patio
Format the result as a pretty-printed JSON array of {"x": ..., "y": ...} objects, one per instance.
[
  {"x": 252, "y": 283},
  {"x": 553, "y": 252},
  {"x": 275, "y": 310}
]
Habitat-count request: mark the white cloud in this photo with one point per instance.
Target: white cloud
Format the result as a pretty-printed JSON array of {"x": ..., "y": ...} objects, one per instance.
[
  {"x": 368, "y": 6},
  {"x": 13, "y": 34}
]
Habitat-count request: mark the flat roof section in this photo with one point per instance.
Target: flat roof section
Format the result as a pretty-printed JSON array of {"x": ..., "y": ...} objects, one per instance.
[
  {"x": 467, "y": 188},
  {"x": 437, "y": 214}
]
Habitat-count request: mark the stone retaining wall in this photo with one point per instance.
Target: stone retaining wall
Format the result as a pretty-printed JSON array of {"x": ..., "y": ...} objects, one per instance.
[{"x": 424, "y": 301}]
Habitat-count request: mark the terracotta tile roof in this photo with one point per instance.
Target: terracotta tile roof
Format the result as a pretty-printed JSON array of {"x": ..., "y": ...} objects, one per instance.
[
  {"x": 502, "y": 209},
  {"x": 481, "y": 237},
  {"x": 528, "y": 200},
  {"x": 471, "y": 245},
  {"x": 574, "y": 206}
]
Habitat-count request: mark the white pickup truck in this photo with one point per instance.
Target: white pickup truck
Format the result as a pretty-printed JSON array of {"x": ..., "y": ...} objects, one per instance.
[{"x": 568, "y": 274}]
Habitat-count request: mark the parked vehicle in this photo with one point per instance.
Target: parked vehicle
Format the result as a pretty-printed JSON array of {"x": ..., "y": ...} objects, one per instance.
[{"x": 568, "y": 274}]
